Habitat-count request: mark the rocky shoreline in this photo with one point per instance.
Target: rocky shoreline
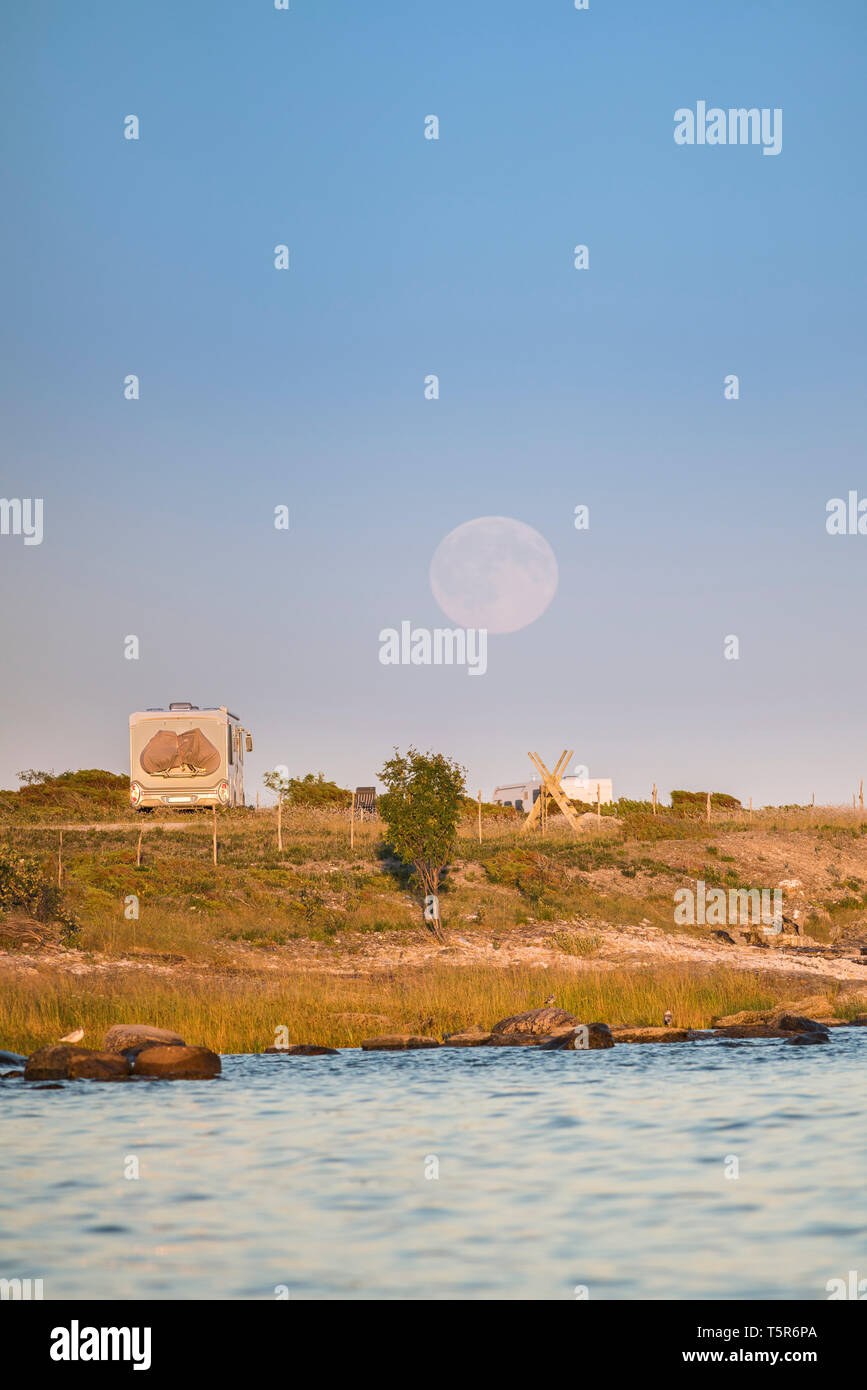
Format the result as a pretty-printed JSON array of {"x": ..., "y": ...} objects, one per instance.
[{"x": 132, "y": 1052}]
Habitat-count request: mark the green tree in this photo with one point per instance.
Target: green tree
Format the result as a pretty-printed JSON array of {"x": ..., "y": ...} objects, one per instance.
[
  {"x": 307, "y": 790},
  {"x": 421, "y": 809}
]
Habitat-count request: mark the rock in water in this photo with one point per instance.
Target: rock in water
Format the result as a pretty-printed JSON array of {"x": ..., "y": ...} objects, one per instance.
[
  {"x": 12, "y": 1059},
  {"x": 469, "y": 1037},
  {"x": 750, "y": 1030},
  {"x": 52, "y": 1063},
  {"x": 652, "y": 1035},
  {"x": 99, "y": 1066},
  {"x": 586, "y": 1037},
  {"x": 133, "y": 1038},
  {"x": 795, "y": 1023},
  {"x": 804, "y": 1039},
  {"x": 305, "y": 1050},
  {"x": 177, "y": 1063},
  {"x": 524, "y": 1030},
  {"x": 397, "y": 1042}
]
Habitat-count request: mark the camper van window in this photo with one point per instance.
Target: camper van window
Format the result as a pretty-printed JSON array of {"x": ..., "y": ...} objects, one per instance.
[
  {"x": 519, "y": 805},
  {"x": 536, "y": 794},
  {"x": 231, "y": 740}
]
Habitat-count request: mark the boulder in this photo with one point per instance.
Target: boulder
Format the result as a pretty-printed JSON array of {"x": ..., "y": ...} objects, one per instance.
[
  {"x": 804, "y": 1039},
  {"x": 12, "y": 1059},
  {"x": 52, "y": 1063},
  {"x": 788, "y": 1017},
  {"x": 469, "y": 1037},
  {"x": 133, "y": 1038},
  {"x": 397, "y": 1042},
  {"x": 305, "y": 1050},
  {"x": 8, "y": 1075},
  {"x": 177, "y": 1063},
  {"x": 750, "y": 1030},
  {"x": 99, "y": 1066},
  {"x": 795, "y": 1023},
  {"x": 652, "y": 1035},
  {"x": 525, "y": 1030},
  {"x": 590, "y": 1037}
]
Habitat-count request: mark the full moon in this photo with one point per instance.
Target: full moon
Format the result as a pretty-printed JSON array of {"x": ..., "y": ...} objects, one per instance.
[{"x": 494, "y": 573}]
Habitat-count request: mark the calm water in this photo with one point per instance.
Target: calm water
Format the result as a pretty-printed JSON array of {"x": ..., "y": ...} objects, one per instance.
[{"x": 604, "y": 1169}]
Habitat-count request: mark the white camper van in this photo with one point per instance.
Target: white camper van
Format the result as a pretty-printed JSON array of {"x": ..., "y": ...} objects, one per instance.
[
  {"x": 186, "y": 756},
  {"x": 521, "y": 795}
]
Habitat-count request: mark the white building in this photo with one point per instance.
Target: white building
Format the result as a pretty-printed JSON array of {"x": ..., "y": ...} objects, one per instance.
[{"x": 522, "y": 795}]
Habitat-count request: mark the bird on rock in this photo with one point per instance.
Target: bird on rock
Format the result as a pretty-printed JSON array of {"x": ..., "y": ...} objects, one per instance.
[{"x": 75, "y": 1036}]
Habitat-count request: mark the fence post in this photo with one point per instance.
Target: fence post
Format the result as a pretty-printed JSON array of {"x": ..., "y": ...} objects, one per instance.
[
  {"x": 280, "y": 822},
  {"x": 60, "y": 862},
  {"x": 215, "y": 834},
  {"x": 352, "y": 823},
  {"x": 138, "y": 849}
]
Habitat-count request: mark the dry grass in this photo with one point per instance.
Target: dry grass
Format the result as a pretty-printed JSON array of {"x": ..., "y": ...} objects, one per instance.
[{"x": 241, "y": 1013}]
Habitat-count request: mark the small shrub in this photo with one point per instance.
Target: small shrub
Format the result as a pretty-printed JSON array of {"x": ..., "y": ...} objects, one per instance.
[{"x": 23, "y": 885}]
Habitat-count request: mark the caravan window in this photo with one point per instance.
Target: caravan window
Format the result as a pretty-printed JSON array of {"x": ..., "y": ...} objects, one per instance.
[
  {"x": 231, "y": 733},
  {"x": 519, "y": 805},
  {"x": 537, "y": 792}
]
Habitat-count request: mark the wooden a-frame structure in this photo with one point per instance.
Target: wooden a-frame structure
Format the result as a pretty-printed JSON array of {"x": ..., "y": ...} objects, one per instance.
[{"x": 552, "y": 786}]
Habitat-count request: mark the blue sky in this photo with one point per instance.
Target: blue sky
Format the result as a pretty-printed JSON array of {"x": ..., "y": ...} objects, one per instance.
[{"x": 557, "y": 386}]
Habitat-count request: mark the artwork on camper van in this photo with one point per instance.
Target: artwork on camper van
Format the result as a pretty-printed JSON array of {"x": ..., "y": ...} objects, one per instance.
[{"x": 186, "y": 753}]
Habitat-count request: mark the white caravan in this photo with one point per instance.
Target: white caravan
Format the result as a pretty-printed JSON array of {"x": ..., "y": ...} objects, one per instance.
[
  {"x": 186, "y": 756},
  {"x": 522, "y": 795}
]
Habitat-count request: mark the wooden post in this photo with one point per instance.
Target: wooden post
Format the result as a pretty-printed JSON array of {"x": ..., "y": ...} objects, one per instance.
[
  {"x": 708, "y": 808},
  {"x": 861, "y": 795},
  {"x": 60, "y": 862},
  {"x": 138, "y": 849},
  {"x": 257, "y": 801},
  {"x": 280, "y": 822},
  {"x": 480, "y": 815},
  {"x": 215, "y": 834},
  {"x": 654, "y": 798},
  {"x": 352, "y": 823},
  {"x": 598, "y": 804}
]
